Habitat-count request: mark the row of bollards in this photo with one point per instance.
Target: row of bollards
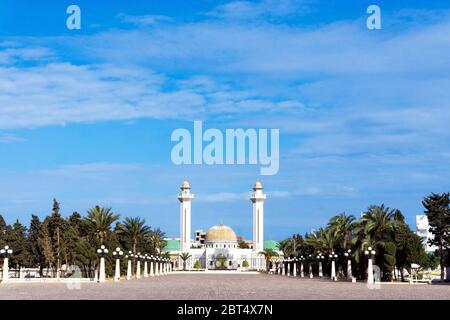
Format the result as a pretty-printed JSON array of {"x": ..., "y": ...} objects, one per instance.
[
  {"x": 283, "y": 266},
  {"x": 159, "y": 266}
]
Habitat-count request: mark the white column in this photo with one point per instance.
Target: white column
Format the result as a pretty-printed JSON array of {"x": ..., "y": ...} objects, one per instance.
[
  {"x": 258, "y": 199},
  {"x": 145, "y": 269},
  {"x": 152, "y": 274},
  {"x": 333, "y": 271},
  {"x": 283, "y": 270},
  {"x": 295, "y": 268},
  {"x": 102, "y": 275},
  {"x": 349, "y": 269},
  {"x": 370, "y": 278},
  {"x": 310, "y": 271},
  {"x": 117, "y": 273},
  {"x": 185, "y": 198},
  {"x": 288, "y": 268},
  {"x": 138, "y": 269},
  {"x": 5, "y": 270},
  {"x": 129, "y": 270},
  {"x": 302, "y": 273},
  {"x": 156, "y": 268},
  {"x": 320, "y": 269}
]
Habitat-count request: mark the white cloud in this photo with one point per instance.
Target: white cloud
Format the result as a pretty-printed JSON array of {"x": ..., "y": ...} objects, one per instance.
[
  {"x": 10, "y": 138},
  {"x": 144, "y": 20},
  {"x": 253, "y": 9}
]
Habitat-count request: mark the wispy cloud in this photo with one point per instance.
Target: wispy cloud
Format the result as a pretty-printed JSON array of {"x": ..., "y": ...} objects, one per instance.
[
  {"x": 253, "y": 9},
  {"x": 144, "y": 20},
  {"x": 10, "y": 138}
]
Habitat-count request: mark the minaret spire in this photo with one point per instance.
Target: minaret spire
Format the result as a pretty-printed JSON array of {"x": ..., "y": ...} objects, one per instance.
[
  {"x": 258, "y": 198},
  {"x": 185, "y": 198}
]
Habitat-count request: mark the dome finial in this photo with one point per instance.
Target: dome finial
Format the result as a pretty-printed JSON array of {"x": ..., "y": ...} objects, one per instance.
[
  {"x": 258, "y": 185},
  {"x": 185, "y": 185}
]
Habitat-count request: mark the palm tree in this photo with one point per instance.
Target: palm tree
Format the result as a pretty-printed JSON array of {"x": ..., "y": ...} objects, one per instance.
[
  {"x": 376, "y": 228},
  {"x": 157, "y": 240},
  {"x": 134, "y": 229},
  {"x": 99, "y": 220},
  {"x": 343, "y": 226},
  {"x": 378, "y": 222},
  {"x": 268, "y": 255},
  {"x": 291, "y": 246},
  {"x": 184, "y": 256}
]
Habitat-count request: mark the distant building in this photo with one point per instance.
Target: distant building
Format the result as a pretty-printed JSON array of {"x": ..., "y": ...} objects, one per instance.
[
  {"x": 423, "y": 231},
  {"x": 200, "y": 236}
]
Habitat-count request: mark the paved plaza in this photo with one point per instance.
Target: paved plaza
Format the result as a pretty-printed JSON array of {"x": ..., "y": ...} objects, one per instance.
[{"x": 222, "y": 286}]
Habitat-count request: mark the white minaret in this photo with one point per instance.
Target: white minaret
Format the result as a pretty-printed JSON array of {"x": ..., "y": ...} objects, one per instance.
[
  {"x": 258, "y": 198},
  {"x": 185, "y": 198}
]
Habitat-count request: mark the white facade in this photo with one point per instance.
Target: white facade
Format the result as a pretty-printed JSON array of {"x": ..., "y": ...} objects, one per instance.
[{"x": 422, "y": 230}]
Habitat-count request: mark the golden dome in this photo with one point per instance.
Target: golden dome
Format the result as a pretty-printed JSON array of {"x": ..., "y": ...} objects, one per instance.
[
  {"x": 185, "y": 185},
  {"x": 220, "y": 233},
  {"x": 258, "y": 185}
]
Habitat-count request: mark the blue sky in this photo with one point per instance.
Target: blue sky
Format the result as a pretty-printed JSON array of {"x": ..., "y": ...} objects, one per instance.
[{"x": 86, "y": 115}]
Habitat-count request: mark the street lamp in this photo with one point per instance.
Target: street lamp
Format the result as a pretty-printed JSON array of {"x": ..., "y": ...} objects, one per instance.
[
  {"x": 370, "y": 253},
  {"x": 6, "y": 251},
  {"x": 145, "y": 266},
  {"x": 288, "y": 266},
  {"x": 348, "y": 255},
  {"x": 156, "y": 266},
  {"x": 295, "y": 267},
  {"x": 152, "y": 259},
  {"x": 302, "y": 273},
  {"x": 333, "y": 256},
  {"x": 138, "y": 265},
  {"x": 320, "y": 258},
  {"x": 165, "y": 266},
  {"x": 129, "y": 257},
  {"x": 310, "y": 260},
  {"x": 118, "y": 254},
  {"x": 102, "y": 252}
]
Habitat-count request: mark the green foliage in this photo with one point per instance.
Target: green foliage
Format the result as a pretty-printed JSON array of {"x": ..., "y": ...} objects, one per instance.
[
  {"x": 268, "y": 255},
  {"x": 389, "y": 259},
  {"x": 58, "y": 241},
  {"x": 245, "y": 264},
  {"x": 197, "y": 265},
  {"x": 243, "y": 245},
  {"x": 381, "y": 228},
  {"x": 437, "y": 209},
  {"x": 184, "y": 256}
]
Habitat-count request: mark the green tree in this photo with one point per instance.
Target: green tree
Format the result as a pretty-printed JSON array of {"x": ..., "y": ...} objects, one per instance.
[
  {"x": 17, "y": 240},
  {"x": 437, "y": 209},
  {"x": 197, "y": 264},
  {"x": 268, "y": 255},
  {"x": 342, "y": 225},
  {"x": 243, "y": 245},
  {"x": 157, "y": 241},
  {"x": 35, "y": 250},
  {"x": 100, "y": 220},
  {"x": 134, "y": 231},
  {"x": 185, "y": 257}
]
